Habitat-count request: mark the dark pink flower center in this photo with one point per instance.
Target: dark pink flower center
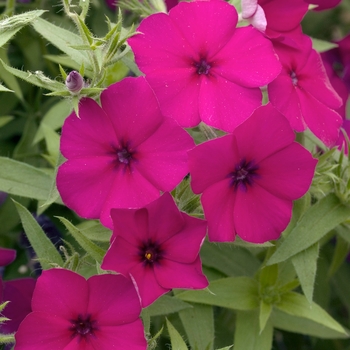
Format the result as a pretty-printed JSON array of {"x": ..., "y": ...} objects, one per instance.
[
  {"x": 294, "y": 78},
  {"x": 124, "y": 156},
  {"x": 244, "y": 174},
  {"x": 83, "y": 326},
  {"x": 150, "y": 253},
  {"x": 203, "y": 67}
]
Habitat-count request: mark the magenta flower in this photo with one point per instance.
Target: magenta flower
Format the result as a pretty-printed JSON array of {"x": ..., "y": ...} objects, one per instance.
[
  {"x": 250, "y": 178},
  {"x": 19, "y": 292},
  {"x": 7, "y": 256},
  {"x": 158, "y": 247},
  {"x": 121, "y": 155},
  {"x": 303, "y": 93},
  {"x": 324, "y": 4},
  {"x": 201, "y": 67},
  {"x": 72, "y": 313}
]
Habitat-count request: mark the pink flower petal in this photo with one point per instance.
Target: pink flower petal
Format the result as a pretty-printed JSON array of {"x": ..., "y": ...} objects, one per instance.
[
  {"x": 258, "y": 21},
  {"x": 218, "y": 202},
  {"x": 261, "y": 55},
  {"x": 218, "y": 107},
  {"x": 162, "y": 157},
  {"x": 271, "y": 214},
  {"x": 321, "y": 120},
  {"x": 7, "y": 256},
  {"x": 81, "y": 179},
  {"x": 207, "y": 157},
  {"x": 133, "y": 122},
  {"x": 171, "y": 274},
  {"x": 184, "y": 246},
  {"x": 120, "y": 303},
  {"x": 43, "y": 331},
  {"x": 79, "y": 136},
  {"x": 69, "y": 304},
  {"x": 249, "y": 7},
  {"x": 268, "y": 129},
  {"x": 287, "y": 174}
]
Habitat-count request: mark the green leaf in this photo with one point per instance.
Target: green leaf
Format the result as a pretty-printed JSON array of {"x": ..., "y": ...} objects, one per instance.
[
  {"x": 24, "y": 180},
  {"x": 295, "y": 324},
  {"x": 229, "y": 259},
  {"x": 238, "y": 293},
  {"x": 322, "y": 45},
  {"x": 63, "y": 39},
  {"x": 5, "y": 119},
  {"x": 4, "y": 89},
  {"x": 247, "y": 333},
  {"x": 36, "y": 78},
  {"x": 91, "y": 248},
  {"x": 9, "y": 26},
  {"x": 305, "y": 264},
  {"x": 317, "y": 221},
  {"x": 45, "y": 250},
  {"x": 166, "y": 305},
  {"x": 177, "y": 343},
  {"x": 264, "y": 314},
  {"x": 94, "y": 231},
  {"x": 198, "y": 323},
  {"x": 297, "y": 305}
]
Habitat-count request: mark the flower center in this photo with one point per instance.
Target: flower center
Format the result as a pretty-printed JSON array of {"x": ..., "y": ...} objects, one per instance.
[
  {"x": 83, "y": 326},
  {"x": 294, "y": 78},
  {"x": 243, "y": 174},
  {"x": 150, "y": 253},
  {"x": 203, "y": 67},
  {"x": 124, "y": 156}
]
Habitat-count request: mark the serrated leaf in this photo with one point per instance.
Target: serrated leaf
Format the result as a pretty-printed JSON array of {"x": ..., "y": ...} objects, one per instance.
[
  {"x": 11, "y": 25},
  {"x": 295, "y": 324},
  {"x": 305, "y": 264},
  {"x": 166, "y": 305},
  {"x": 322, "y": 45},
  {"x": 177, "y": 343},
  {"x": 24, "y": 180},
  {"x": 297, "y": 305},
  {"x": 35, "y": 78},
  {"x": 238, "y": 293},
  {"x": 63, "y": 39},
  {"x": 247, "y": 333},
  {"x": 198, "y": 323},
  {"x": 317, "y": 221},
  {"x": 43, "y": 247},
  {"x": 91, "y": 248}
]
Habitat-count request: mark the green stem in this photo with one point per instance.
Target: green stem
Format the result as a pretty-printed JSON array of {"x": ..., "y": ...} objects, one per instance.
[{"x": 10, "y": 7}]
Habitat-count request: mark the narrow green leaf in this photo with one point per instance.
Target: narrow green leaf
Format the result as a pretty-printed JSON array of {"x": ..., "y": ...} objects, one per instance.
[
  {"x": 177, "y": 343},
  {"x": 45, "y": 250},
  {"x": 66, "y": 61},
  {"x": 264, "y": 314},
  {"x": 9, "y": 26},
  {"x": 317, "y": 221},
  {"x": 4, "y": 89},
  {"x": 95, "y": 231},
  {"x": 36, "y": 78},
  {"x": 91, "y": 248},
  {"x": 322, "y": 45},
  {"x": 289, "y": 323},
  {"x": 52, "y": 140},
  {"x": 341, "y": 252},
  {"x": 247, "y": 333},
  {"x": 227, "y": 348},
  {"x": 3, "y": 305},
  {"x": 238, "y": 293},
  {"x": 305, "y": 264},
  {"x": 166, "y": 305},
  {"x": 198, "y": 323},
  {"x": 63, "y": 39},
  {"x": 297, "y": 305},
  {"x": 5, "y": 119},
  {"x": 24, "y": 180}
]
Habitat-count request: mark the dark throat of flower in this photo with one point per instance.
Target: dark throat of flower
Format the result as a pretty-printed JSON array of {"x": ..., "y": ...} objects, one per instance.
[
  {"x": 243, "y": 175},
  {"x": 203, "y": 67},
  {"x": 150, "y": 253},
  {"x": 294, "y": 78},
  {"x": 83, "y": 326}
]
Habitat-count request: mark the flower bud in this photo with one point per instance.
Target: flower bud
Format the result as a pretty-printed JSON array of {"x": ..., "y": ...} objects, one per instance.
[{"x": 74, "y": 82}]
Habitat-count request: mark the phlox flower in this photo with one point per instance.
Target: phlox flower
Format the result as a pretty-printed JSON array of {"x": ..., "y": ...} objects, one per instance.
[
  {"x": 7, "y": 256},
  {"x": 201, "y": 66},
  {"x": 158, "y": 247},
  {"x": 71, "y": 313},
  {"x": 303, "y": 93},
  {"x": 122, "y": 154},
  {"x": 250, "y": 178}
]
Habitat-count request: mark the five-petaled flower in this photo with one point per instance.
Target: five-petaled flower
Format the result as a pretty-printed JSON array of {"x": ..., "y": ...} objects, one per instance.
[
  {"x": 158, "y": 247},
  {"x": 121, "y": 155},
  {"x": 250, "y": 178},
  {"x": 72, "y": 313},
  {"x": 201, "y": 66}
]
